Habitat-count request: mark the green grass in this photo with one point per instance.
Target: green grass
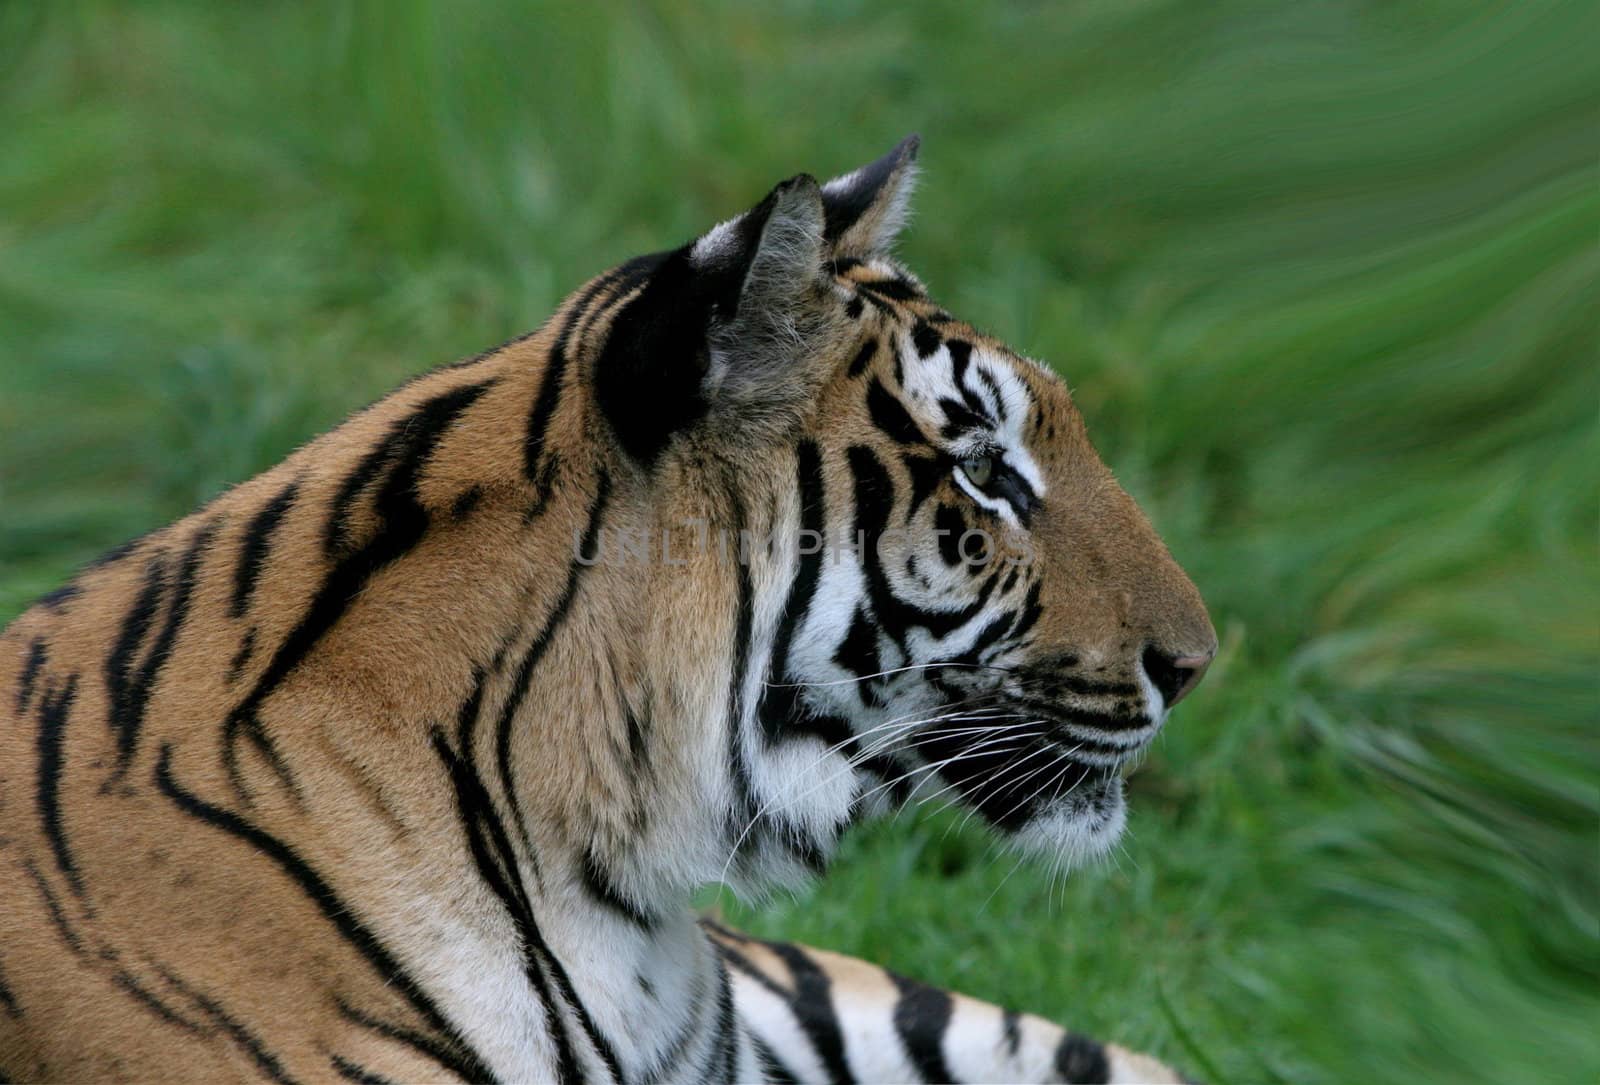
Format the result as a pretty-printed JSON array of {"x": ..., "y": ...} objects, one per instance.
[{"x": 1322, "y": 275}]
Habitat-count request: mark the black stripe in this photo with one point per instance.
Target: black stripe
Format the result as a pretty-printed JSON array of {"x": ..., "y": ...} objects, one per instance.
[
  {"x": 874, "y": 499},
  {"x": 352, "y": 1071},
  {"x": 925, "y": 339},
  {"x": 898, "y": 289},
  {"x": 1011, "y": 1026},
  {"x": 960, "y": 359},
  {"x": 994, "y": 387},
  {"x": 921, "y": 1018},
  {"x": 1073, "y": 718},
  {"x": 598, "y": 884},
  {"x": 891, "y": 416},
  {"x": 257, "y": 542},
  {"x": 130, "y": 698},
  {"x": 877, "y": 303},
  {"x": 495, "y": 859},
  {"x": 1082, "y": 1061},
  {"x": 467, "y": 714},
  {"x": 724, "y": 1062},
  {"x": 497, "y": 864},
  {"x": 335, "y": 532},
  {"x": 960, "y": 418},
  {"x": 1089, "y": 687},
  {"x": 670, "y": 1058},
  {"x": 530, "y": 659},
  {"x": 949, "y": 526},
  {"x": 563, "y": 982},
  {"x": 117, "y": 553},
  {"x": 266, "y": 1060},
  {"x": 637, "y": 727},
  {"x": 445, "y": 1054},
  {"x": 150, "y": 1002},
  {"x": 59, "y": 598},
  {"x": 38, "y": 651},
  {"x": 492, "y": 854},
  {"x": 779, "y": 705},
  {"x": 54, "y": 708},
  {"x": 853, "y": 308},
  {"x": 744, "y": 620},
  {"x": 544, "y": 404},
  {"x": 8, "y": 1000},
  {"x": 465, "y": 502},
  {"x": 247, "y": 648},
  {"x": 772, "y": 1068},
  {"x": 403, "y": 521},
  {"x": 813, "y": 1008},
  {"x": 334, "y": 910},
  {"x": 858, "y": 654},
  {"x": 985, "y": 638},
  {"x": 120, "y": 679},
  {"x": 53, "y": 906},
  {"x": 744, "y": 964},
  {"x": 1031, "y": 611},
  {"x": 926, "y": 473},
  {"x": 863, "y": 356}
]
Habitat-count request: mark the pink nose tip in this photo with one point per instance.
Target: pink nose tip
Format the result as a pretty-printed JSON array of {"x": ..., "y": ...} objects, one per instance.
[{"x": 1174, "y": 676}]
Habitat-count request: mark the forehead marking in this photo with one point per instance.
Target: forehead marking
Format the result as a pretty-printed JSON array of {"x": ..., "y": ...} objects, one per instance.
[
  {"x": 994, "y": 390},
  {"x": 878, "y": 303},
  {"x": 960, "y": 419},
  {"x": 991, "y": 409},
  {"x": 891, "y": 416},
  {"x": 897, "y": 288}
]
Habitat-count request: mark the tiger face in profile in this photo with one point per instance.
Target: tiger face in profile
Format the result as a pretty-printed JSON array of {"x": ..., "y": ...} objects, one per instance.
[{"x": 402, "y": 760}]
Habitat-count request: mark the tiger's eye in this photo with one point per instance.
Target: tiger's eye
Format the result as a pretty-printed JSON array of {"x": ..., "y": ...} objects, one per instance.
[{"x": 978, "y": 469}]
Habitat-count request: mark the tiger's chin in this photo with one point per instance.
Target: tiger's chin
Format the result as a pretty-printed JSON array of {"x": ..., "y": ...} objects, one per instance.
[{"x": 1078, "y": 827}]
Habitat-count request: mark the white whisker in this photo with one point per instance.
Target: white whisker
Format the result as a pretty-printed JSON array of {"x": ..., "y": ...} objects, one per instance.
[{"x": 899, "y": 726}]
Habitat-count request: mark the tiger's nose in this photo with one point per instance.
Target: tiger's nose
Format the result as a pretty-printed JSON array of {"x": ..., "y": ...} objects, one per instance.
[{"x": 1174, "y": 676}]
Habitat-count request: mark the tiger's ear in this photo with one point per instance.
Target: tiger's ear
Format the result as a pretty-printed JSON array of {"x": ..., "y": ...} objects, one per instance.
[
  {"x": 867, "y": 208},
  {"x": 781, "y": 317},
  {"x": 722, "y": 328}
]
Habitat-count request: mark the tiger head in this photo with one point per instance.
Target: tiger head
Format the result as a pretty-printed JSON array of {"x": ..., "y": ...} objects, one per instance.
[{"x": 940, "y": 589}]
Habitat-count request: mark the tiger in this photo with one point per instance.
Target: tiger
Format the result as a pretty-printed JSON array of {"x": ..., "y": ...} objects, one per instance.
[{"x": 405, "y": 759}]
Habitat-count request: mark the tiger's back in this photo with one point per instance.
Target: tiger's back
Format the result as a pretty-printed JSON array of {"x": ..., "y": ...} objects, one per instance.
[{"x": 136, "y": 697}]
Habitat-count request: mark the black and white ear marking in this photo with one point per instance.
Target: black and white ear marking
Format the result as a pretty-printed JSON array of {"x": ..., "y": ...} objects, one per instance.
[
  {"x": 756, "y": 348},
  {"x": 720, "y": 325},
  {"x": 866, "y": 209}
]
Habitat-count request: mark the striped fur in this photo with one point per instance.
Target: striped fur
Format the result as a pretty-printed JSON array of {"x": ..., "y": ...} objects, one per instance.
[{"x": 401, "y": 760}]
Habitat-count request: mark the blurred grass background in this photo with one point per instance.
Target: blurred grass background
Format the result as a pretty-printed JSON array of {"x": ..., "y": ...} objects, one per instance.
[{"x": 1322, "y": 275}]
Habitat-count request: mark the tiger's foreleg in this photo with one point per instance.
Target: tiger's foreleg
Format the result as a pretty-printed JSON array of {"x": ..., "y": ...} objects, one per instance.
[{"x": 821, "y": 1016}]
